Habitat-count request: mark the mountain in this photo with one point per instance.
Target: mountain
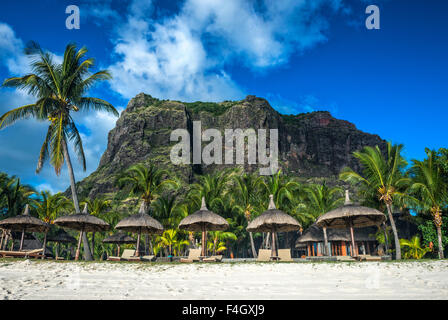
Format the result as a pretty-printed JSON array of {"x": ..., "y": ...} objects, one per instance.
[{"x": 311, "y": 145}]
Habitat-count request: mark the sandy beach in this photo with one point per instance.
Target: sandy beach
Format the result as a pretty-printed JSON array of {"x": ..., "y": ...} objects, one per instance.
[{"x": 30, "y": 279}]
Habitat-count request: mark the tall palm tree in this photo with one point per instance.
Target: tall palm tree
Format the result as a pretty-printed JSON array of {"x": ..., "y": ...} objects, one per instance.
[
  {"x": 49, "y": 206},
  {"x": 430, "y": 191},
  {"x": 59, "y": 90},
  {"x": 383, "y": 176},
  {"x": 246, "y": 192}
]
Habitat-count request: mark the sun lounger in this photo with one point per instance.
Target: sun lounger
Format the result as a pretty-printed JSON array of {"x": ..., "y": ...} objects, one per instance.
[
  {"x": 285, "y": 255},
  {"x": 264, "y": 255},
  {"x": 128, "y": 254},
  {"x": 368, "y": 257},
  {"x": 213, "y": 259},
  {"x": 193, "y": 256},
  {"x": 345, "y": 258},
  {"x": 36, "y": 253},
  {"x": 148, "y": 258}
]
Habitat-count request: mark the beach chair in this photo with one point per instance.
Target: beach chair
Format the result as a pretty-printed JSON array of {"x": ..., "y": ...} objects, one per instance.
[
  {"x": 345, "y": 258},
  {"x": 368, "y": 257},
  {"x": 126, "y": 255},
  {"x": 264, "y": 255},
  {"x": 193, "y": 256},
  {"x": 213, "y": 259},
  {"x": 148, "y": 258},
  {"x": 36, "y": 253},
  {"x": 285, "y": 255}
]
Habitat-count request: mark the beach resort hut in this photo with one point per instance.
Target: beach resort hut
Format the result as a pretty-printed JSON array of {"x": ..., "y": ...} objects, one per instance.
[
  {"x": 203, "y": 220},
  {"x": 140, "y": 223},
  {"x": 60, "y": 237},
  {"x": 82, "y": 222},
  {"x": 119, "y": 239},
  {"x": 349, "y": 216},
  {"x": 273, "y": 220},
  {"x": 313, "y": 244},
  {"x": 25, "y": 222}
]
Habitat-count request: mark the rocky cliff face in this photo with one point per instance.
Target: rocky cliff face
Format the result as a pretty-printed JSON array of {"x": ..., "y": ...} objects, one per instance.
[{"x": 310, "y": 145}]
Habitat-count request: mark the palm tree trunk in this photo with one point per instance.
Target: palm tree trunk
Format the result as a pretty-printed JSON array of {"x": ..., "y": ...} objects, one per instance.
[
  {"x": 326, "y": 241},
  {"x": 93, "y": 245},
  {"x": 252, "y": 245},
  {"x": 386, "y": 239},
  {"x": 439, "y": 238},
  {"x": 394, "y": 230},
  {"x": 85, "y": 241}
]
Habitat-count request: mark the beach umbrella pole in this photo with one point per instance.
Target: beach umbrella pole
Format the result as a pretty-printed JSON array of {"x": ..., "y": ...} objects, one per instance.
[
  {"x": 45, "y": 244},
  {"x": 203, "y": 241},
  {"x": 325, "y": 241},
  {"x": 21, "y": 240},
  {"x": 3, "y": 237},
  {"x": 79, "y": 246},
  {"x": 137, "y": 252},
  {"x": 353, "y": 240},
  {"x": 274, "y": 251}
]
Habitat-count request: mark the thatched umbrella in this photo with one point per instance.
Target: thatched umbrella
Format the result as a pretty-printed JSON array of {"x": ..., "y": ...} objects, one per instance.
[
  {"x": 140, "y": 223},
  {"x": 349, "y": 216},
  {"x": 203, "y": 220},
  {"x": 273, "y": 220},
  {"x": 25, "y": 222},
  {"x": 61, "y": 237},
  {"x": 118, "y": 239},
  {"x": 83, "y": 222}
]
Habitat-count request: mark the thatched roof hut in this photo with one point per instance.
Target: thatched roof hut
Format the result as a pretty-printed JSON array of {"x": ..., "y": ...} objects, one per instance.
[
  {"x": 83, "y": 222},
  {"x": 119, "y": 238},
  {"x": 203, "y": 220},
  {"x": 315, "y": 234},
  {"x": 61, "y": 237},
  {"x": 351, "y": 214},
  {"x": 24, "y": 222}
]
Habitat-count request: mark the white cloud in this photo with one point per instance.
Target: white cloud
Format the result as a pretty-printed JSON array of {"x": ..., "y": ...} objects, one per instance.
[{"x": 184, "y": 56}]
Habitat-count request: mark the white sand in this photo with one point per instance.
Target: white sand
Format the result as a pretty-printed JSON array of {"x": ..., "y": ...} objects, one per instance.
[{"x": 28, "y": 279}]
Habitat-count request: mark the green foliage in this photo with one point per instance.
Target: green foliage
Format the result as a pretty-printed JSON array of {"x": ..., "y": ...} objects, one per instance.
[
  {"x": 210, "y": 107},
  {"x": 412, "y": 248},
  {"x": 429, "y": 232}
]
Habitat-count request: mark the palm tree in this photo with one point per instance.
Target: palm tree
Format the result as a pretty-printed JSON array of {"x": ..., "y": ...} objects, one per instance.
[
  {"x": 147, "y": 182},
  {"x": 168, "y": 211},
  {"x": 246, "y": 193},
  {"x": 430, "y": 191},
  {"x": 59, "y": 90},
  {"x": 413, "y": 248},
  {"x": 49, "y": 206},
  {"x": 214, "y": 187},
  {"x": 96, "y": 207},
  {"x": 282, "y": 187},
  {"x": 383, "y": 177},
  {"x": 15, "y": 195},
  {"x": 319, "y": 199}
]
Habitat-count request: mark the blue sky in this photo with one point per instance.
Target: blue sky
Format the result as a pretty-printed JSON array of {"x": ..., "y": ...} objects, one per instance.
[{"x": 301, "y": 55}]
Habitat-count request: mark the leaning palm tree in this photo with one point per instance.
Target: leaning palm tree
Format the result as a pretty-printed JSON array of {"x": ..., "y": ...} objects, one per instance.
[
  {"x": 383, "y": 176},
  {"x": 59, "y": 90},
  {"x": 430, "y": 191}
]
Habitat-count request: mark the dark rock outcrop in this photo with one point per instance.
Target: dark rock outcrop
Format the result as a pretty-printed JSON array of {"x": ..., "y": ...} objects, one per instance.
[{"x": 310, "y": 145}]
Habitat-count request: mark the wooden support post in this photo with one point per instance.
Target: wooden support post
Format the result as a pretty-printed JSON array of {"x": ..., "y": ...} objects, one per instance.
[
  {"x": 137, "y": 252},
  {"x": 273, "y": 252},
  {"x": 21, "y": 240},
  {"x": 79, "y": 246},
  {"x": 44, "y": 246},
  {"x": 325, "y": 242}
]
